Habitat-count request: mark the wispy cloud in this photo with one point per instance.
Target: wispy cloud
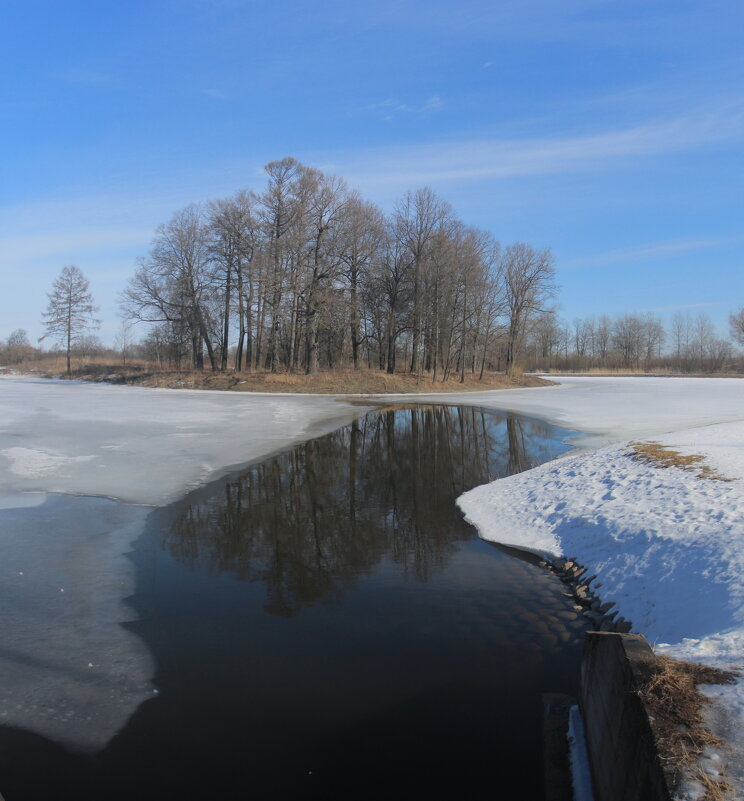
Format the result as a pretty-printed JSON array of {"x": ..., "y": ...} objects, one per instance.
[
  {"x": 657, "y": 250},
  {"x": 70, "y": 245},
  {"x": 390, "y": 107},
  {"x": 469, "y": 160}
]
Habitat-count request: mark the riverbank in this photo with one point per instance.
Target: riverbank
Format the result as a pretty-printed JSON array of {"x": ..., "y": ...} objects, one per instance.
[
  {"x": 326, "y": 382},
  {"x": 658, "y": 515}
]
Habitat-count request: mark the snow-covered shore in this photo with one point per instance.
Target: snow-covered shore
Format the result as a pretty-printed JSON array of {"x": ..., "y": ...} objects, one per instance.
[{"x": 667, "y": 546}]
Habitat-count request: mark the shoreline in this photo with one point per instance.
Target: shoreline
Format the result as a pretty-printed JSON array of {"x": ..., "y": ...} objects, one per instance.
[{"x": 199, "y": 431}]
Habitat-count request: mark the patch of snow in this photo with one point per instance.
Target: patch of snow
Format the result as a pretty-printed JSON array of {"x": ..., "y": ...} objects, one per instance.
[
  {"x": 30, "y": 463},
  {"x": 666, "y": 545}
]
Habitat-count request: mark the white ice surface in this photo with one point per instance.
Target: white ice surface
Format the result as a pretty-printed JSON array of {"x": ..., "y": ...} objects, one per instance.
[
  {"x": 609, "y": 410},
  {"x": 68, "y": 670},
  {"x": 667, "y": 546},
  {"x": 142, "y": 446}
]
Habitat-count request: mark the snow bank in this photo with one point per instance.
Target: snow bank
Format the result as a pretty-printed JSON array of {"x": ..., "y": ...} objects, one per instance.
[{"x": 666, "y": 545}]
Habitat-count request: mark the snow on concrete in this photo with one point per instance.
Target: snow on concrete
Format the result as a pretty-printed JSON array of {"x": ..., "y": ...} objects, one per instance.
[
  {"x": 666, "y": 545},
  {"x": 69, "y": 670}
]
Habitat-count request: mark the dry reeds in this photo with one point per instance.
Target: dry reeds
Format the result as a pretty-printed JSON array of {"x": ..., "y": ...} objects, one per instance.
[
  {"x": 676, "y": 705},
  {"x": 660, "y": 456}
]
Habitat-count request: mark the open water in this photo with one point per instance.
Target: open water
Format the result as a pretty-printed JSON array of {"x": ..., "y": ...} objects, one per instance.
[{"x": 325, "y": 625}]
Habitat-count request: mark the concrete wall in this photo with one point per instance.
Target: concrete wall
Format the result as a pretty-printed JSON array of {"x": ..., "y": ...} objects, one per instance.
[{"x": 621, "y": 745}]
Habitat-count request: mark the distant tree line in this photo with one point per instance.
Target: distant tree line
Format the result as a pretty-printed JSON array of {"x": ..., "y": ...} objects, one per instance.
[
  {"x": 307, "y": 274},
  {"x": 688, "y": 344}
]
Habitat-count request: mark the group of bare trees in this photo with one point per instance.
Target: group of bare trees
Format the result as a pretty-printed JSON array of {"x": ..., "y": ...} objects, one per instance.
[
  {"x": 689, "y": 343},
  {"x": 307, "y": 274}
]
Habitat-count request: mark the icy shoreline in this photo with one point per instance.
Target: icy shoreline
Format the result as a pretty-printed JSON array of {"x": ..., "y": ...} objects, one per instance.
[
  {"x": 81, "y": 467},
  {"x": 668, "y": 546}
]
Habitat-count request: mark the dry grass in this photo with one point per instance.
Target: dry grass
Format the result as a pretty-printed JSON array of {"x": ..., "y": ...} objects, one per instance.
[
  {"x": 713, "y": 789},
  {"x": 658, "y": 455},
  {"x": 676, "y": 705},
  {"x": 341, "y": 381}
]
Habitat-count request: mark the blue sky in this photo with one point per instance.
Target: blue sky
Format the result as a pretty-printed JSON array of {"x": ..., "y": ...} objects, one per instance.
[{"x": 611, "y": 131}]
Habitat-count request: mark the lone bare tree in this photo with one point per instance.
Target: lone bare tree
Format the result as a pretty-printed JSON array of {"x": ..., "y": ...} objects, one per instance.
[{"x": 70, "y": 310}]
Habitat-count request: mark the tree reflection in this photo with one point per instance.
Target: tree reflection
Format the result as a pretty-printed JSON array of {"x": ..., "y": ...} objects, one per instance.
[{"x": 309, "y": 522}]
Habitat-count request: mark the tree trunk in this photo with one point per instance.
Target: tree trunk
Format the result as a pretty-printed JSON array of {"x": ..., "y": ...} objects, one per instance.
[
  {"x": 226, "y": 325},
  {"x": 354, "y": 319}
]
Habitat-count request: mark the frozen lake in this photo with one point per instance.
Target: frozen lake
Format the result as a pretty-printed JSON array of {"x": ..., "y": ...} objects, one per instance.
[{"x": 320, "y": 620}]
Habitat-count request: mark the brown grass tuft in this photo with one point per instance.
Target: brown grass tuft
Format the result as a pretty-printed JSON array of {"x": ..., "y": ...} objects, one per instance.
[
  {"x": 658, "y": 455},
  {"x": 676, "y": 707},
  {"x": 713, "y": 789}
]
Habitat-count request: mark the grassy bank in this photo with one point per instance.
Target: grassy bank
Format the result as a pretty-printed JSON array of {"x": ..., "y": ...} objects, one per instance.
[{"x": 341, "y": 381}]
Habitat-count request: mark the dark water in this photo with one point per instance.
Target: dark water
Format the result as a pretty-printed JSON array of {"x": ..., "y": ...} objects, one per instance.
[{"x": 325, "y": 625}]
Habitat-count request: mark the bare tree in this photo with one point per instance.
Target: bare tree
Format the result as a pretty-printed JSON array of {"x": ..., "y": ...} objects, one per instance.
[
  {"x": 529, "y": 283},
  {"x": 681, "y": 333},
  {"x": 736, "y": 325},
  {"x": 173, "y": 283},
  {"x": 703, "y": 339},
  {"x": 327, "y": 205},
  {"x": 70, "y": 310},
  {"x": 233, "y": 242},
  {"x": 417, "y": 218},
  {"x": 18, "y": 338},
  {"x": 123, "y": 342},
  {"x": 360, "y": 238},
  {"x": 17, "y": 347}
]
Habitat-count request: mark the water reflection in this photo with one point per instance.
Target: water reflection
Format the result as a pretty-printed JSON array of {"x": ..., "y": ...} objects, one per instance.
[
  {"x": 307, "y": 523},
  {"x": 402, "y": 657}
]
